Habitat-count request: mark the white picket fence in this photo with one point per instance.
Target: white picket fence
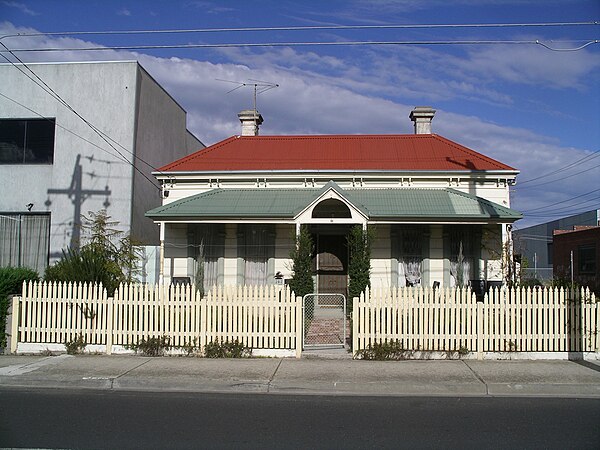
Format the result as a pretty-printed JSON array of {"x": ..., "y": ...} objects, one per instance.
[
  {"x": 270, "y": 317},
  {"x": 261, "y": 317},
  {"x": 508, "y": 320}
]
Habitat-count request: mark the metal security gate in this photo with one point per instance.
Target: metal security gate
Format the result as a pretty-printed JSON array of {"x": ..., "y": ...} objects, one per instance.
[{"x": 325, "y": 323}]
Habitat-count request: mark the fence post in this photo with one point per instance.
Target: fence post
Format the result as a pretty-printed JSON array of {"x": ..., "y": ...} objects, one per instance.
[
  {"x": 596, "y": 337},
  {"x": 109, "y": 325},
  {"x": 299, "y": 327},
  {"x": 14, "y": 324},
  {"x": 479, "y": 329},
  {"x": 203, "y": 311},
  {"x": 354, "y": 317}
]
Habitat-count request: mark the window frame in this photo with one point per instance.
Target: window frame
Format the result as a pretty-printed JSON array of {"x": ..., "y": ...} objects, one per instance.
[
  {"x": 586, "y": 266},
  {"x": 40, "y": 145}
]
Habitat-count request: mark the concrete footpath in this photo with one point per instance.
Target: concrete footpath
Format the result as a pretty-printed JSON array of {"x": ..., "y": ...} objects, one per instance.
[{"x": 304, "y": 376}]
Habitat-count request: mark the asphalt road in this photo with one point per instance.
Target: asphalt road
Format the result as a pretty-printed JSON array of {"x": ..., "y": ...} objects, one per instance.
[{"x": 108, "y": 419}]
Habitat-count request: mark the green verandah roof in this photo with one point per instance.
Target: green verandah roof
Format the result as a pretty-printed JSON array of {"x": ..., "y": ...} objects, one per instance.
[{"x": 376, "y": 204}]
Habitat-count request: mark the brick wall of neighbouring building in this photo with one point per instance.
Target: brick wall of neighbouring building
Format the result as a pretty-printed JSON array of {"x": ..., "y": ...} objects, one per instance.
[{"x": 584, "y": 242}]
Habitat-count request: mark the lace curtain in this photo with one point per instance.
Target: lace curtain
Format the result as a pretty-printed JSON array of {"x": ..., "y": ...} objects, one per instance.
[
  {"x": 460, "y": 273},
  {"x": 410, "y": 258},
  {"x": 24, "y": 240},
  {"x": 412, "y": 271},
  {"x": 257, "y": 258},
  {"x": 209, "y": 249},
  {"x": 462, "y": 250}
]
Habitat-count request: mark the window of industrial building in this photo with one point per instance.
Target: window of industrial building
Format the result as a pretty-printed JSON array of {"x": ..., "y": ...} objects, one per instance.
[
  {"x": 25, "y": 240},
  {"x": 587, "y": 259},
  {"x": 27, "y": 141}
]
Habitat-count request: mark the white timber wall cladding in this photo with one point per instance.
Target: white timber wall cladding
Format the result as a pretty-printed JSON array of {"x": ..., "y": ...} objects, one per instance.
[
  {"x": 260, "y": 317},
  {"x": 381, "y": 258}
]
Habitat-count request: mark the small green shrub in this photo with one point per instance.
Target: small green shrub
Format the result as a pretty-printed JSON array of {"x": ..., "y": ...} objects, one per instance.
[
  {"x": 226, "y": 349},
  {"x": 190, "y": 347},
  {"x": 152, "y": 346},
  {"x": 11, "y": 283},
  {"x": 463, "y": 351},
  {"x": 76, "y": 345},
  {"x": 457, "y": 354},
  {"x": 47, "y": 352},
  {"x": 384, "y": 351}
]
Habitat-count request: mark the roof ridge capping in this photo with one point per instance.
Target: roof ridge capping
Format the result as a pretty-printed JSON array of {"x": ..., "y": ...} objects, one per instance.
[{"x": 348, "y": 153}]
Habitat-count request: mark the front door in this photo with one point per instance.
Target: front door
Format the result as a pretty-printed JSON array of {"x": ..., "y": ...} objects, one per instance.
[{"x": 331, "y": 264}]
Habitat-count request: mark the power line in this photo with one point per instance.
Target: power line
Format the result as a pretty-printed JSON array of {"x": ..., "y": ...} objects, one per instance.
[
  {"x": 62, "y": 127},
  {"x": 562, "y": 178},
  {"x": 560, "y": 169},
  {"x": 583, "y": 44},
  {"x": 563, "y": 201},
  {"x": 558, "y": 214},
  {"x": 57, "y": 97},
  {"x": 306, "y": 28},
  {"x": 566, "y": 210}
]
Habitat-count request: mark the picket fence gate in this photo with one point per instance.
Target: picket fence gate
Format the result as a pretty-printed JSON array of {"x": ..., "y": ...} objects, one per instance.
[
  {"x": 260, "y": 317},
  {"x": 452, "y": 320}
]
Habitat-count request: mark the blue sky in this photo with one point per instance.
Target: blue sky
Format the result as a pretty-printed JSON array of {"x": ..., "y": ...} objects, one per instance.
[{"x": 535, "y": 109}]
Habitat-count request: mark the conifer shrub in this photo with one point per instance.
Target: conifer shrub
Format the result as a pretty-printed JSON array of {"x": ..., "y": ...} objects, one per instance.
[
  {"x": 359, "y": 266},
  {"x": 107, "y": 256},
  {"x": 301, "y": 282}
]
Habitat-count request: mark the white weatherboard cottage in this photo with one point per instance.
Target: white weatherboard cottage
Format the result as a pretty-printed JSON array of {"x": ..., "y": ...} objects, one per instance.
[{"x": 440, "y": 211}]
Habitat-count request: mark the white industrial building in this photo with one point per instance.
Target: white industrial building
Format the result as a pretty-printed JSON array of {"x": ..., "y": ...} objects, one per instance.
[{"x": 80, "y": 137}]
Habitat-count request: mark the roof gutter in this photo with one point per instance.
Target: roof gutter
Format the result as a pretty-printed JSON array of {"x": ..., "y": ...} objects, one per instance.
[{"x": 336, "y": 171}]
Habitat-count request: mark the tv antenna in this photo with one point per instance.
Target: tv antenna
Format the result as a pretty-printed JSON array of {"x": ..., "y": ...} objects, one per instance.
[{"x": 258, "y": 85}]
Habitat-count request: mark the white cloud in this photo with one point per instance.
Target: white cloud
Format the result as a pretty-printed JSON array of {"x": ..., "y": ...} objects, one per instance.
[
  {"x": 124, "y": 12},
  {"x": 533, "y": 65},
  {"x": 330, "y": 95},
  {"x": 21, "y": 7}
]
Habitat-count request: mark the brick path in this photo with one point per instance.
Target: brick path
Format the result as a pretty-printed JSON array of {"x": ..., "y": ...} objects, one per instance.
[{"x": 326, "y": 331}]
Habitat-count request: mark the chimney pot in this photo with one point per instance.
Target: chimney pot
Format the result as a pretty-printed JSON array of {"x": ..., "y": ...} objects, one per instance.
[
  {"x": 250, "y": 120},
  {"x": 422, "y": 117}
]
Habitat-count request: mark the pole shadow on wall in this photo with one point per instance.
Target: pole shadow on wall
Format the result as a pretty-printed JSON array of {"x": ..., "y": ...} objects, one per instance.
[{"x": 78, "y": 195}]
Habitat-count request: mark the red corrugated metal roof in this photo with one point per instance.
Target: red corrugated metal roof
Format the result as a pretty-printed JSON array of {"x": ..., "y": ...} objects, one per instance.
[{"x": 335, "y": 152}]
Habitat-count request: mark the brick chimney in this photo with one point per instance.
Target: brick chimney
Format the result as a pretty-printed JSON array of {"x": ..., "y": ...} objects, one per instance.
[
  {"x": 422, "y": 117},
  {"x": 251, "y": 120}
]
